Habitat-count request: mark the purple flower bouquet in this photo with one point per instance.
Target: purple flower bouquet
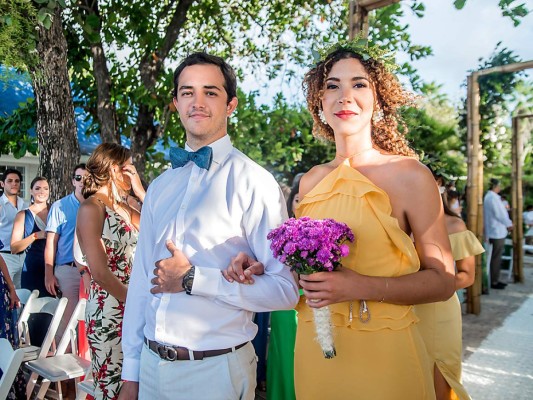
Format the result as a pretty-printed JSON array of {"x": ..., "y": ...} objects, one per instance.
[{"x": 307, "y": 246}]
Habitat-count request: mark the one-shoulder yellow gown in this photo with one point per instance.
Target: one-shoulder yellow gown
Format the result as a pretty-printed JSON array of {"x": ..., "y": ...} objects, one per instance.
[
  {"x": 441, "y": 323},
  {"x": 385, "y": 358}
]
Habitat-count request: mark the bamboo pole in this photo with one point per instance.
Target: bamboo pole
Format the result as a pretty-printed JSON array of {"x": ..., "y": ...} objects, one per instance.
[
  {"x": 474, "y": 192},
  {"x": 358, "y": 15},
  {"x": 475, "y": 180},
  {"x": 517, "y": 199}
]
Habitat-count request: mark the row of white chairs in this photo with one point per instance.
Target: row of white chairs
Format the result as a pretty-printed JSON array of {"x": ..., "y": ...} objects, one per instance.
[{"x": 50, "y": 363}]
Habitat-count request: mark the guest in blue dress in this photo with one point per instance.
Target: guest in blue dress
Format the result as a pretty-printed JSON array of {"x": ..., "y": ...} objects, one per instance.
[{"x": 29, "y": 235}]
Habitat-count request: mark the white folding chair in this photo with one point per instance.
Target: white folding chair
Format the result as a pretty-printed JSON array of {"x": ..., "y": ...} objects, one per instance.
[
  {"x": 86, "y": 387},
  {"x": 60, "y": 366},
  {"x": 49, "y": 305},
  {"x": 24, "y": 295},
  {"x": 9, "y": 364},
  {"x": 508, "y": 256},
  {"x": 25, "y": 300}
]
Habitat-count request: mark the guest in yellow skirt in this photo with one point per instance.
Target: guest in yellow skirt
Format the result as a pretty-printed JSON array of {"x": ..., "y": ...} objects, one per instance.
[
  {"x": 441, "y": 323},
  {"x": 376, "y": 186}
]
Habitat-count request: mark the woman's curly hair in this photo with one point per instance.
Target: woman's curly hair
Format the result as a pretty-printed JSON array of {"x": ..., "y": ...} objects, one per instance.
[
  {"x": 389, "y": 94},
  {"x": 99, "y": 166}
]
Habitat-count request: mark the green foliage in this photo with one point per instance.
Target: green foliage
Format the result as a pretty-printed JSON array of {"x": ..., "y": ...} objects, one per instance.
[
  {"x": 387, "y": 30},
  {"x": 433, "y": 133},
  {"x": 17, "y": 33},
  {"x": 497, "y": 94},
  {"x": 510, "y": 10},
  {"x": 278, "y": 137},
  {"x": 14, "y": 128}
]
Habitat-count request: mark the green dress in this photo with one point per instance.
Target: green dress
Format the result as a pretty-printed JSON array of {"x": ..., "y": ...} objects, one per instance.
[{"x": 280, "y": 361}]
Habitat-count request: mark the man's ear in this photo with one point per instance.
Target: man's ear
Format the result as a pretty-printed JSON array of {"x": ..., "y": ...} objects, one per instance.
[
  {"x": 175, "y": 102},
  {"x": 232, "y": 105}
]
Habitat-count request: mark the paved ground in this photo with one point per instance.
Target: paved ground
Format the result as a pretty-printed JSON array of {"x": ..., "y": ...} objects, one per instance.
[{"x": 501, "y": 365}]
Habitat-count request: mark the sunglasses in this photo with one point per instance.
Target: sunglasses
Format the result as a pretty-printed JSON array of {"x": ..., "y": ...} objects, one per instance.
[{"x": 77, "y": 178}]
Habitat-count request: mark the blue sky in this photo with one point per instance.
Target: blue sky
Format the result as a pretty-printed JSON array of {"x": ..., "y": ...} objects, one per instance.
[{"x": 460, "y": 37}]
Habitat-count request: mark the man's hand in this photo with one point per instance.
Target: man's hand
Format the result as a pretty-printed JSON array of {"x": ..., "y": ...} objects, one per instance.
[
  {"x": 169, "y": 272},
  {"x": 129, "y": 391},
  {"x": 50, "y": 282},
  {"x": 242, "y": 268}
]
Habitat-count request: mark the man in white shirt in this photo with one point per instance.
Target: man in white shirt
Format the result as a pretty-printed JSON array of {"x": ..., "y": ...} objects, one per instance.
[
  {"x": 497, "y": 224},
  {"x": 10, "y": 205},
  {"x": 187, "y": 329}
]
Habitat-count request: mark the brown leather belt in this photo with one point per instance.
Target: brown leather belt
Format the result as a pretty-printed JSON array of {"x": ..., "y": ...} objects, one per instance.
[{"x": 175, "y": 353}]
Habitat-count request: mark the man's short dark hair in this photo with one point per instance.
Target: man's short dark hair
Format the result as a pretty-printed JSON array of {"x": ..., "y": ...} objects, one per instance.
[
  {"x": 201, "y": 58},
  {"x": 11, "y": 171},
  {"x": 493, "y": 183},
  {"x": 79, "y": 166}
]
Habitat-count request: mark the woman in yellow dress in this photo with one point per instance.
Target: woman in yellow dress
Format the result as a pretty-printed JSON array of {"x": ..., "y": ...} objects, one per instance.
[
  {"x": 376, "y": 185},
  {"x": 441, "y": 323}
]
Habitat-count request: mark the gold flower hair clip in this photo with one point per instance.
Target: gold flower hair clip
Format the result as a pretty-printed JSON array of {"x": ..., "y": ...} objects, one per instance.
[{"x": 360, "y": 46}]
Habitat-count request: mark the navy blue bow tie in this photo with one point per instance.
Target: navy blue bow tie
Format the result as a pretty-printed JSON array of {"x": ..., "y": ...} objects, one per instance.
[{"x": 203, "y": 157}]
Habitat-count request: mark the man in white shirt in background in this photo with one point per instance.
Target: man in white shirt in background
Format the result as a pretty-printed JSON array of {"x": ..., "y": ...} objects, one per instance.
[
  {"x": 187, "y": 329},
  {"x": 10, "y": 205},
  {"x": 497, "y": 224}
]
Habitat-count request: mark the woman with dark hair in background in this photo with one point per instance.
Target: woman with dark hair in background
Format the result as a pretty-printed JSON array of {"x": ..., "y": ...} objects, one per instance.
[
  {"x": 441, "y": 323},
  {"x": 107, "y": 229},
  {"x": 29, "y": 235}
]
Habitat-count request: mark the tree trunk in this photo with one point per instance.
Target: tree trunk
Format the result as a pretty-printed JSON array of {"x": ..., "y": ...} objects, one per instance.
[
  {"x": 105, "y": 108},
  {"x": 59, "y": 150},
  {"x": 145, "y": 132}
]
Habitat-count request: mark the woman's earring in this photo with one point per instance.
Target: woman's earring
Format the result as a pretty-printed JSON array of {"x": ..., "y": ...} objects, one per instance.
[
  {"x": 377, "y": 116},
  {"x": 322, "y": 117},
  {"x": 115, "y": 193}
]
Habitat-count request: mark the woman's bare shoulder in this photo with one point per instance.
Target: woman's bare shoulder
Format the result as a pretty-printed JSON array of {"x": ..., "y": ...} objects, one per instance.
[
  {"x": 455, "y": 224},
  {"x": 312, "y": 177},
  {"x": 91, "y": 207}
]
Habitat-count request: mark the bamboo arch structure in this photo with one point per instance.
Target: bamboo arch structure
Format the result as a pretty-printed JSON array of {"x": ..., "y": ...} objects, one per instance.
[
  {"x": 358, "y": 15},
  {"x": 475, "y": 181}
]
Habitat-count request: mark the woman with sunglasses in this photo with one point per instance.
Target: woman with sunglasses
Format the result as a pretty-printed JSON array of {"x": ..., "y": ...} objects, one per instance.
[
  {"x": 107, "y": 229},
  {"x": 29, "y": 235}
]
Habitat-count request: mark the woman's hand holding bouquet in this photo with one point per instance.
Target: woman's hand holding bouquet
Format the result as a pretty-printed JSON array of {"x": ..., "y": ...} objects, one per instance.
[{"x": 310, "y": 246}]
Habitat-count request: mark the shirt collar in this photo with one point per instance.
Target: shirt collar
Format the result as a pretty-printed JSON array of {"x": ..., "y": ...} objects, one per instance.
[
  {"x": 5, "y": 200},
  {"x": 221, "y": 148}
]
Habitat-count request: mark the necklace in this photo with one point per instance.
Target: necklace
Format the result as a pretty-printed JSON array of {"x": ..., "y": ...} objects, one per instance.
[{"x": 355, "y": 155}]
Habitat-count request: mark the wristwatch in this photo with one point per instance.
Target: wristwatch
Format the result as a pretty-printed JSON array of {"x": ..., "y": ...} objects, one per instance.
[{"x": 188, "y": 280}]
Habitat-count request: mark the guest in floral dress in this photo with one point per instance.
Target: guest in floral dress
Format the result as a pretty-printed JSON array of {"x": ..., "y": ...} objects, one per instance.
[
  {"x": 107, "y": 229},
  {"x": 8, "y": 325}
]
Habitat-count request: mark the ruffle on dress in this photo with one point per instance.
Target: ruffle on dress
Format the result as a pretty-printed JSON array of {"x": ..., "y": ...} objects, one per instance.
[
  {"x": 381, "y": 247},
  {"x": 465, "y": 244}
]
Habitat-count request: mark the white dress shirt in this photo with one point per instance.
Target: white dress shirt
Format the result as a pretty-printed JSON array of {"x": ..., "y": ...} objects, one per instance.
[
  {"x": 495, "y": 217},
  {"x": 7, "y": 218},
  {"x": 211, "y": 215}
]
